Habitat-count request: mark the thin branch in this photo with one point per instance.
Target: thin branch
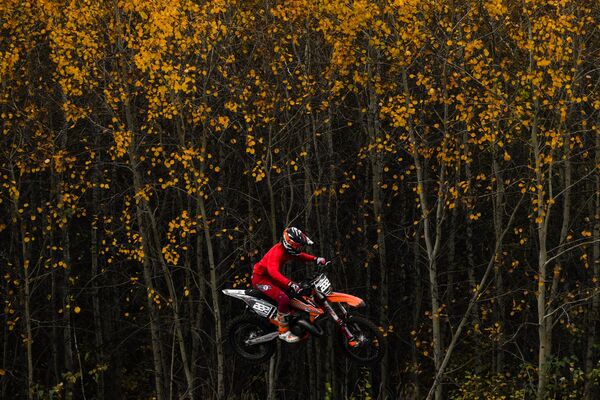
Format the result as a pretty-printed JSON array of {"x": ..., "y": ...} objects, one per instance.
[{"x": 472, "y": 302}]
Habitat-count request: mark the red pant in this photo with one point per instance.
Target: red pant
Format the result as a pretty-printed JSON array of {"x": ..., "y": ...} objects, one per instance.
[{"x": 270, "y": 288}]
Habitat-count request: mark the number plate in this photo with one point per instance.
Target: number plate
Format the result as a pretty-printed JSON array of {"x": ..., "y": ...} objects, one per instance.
[
  {"x": 263, "y": 309},
  {"x": 323, "y": 285}
]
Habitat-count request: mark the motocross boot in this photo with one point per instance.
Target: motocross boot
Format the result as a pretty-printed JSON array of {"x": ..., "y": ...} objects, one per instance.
[{"x": 284, "y": 329}]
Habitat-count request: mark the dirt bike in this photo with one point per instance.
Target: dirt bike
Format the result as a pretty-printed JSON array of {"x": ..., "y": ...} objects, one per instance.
[{"x": 253, "y": 335}]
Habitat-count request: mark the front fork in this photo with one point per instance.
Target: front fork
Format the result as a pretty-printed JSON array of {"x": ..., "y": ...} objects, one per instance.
[{"x": 340, "y": 321}]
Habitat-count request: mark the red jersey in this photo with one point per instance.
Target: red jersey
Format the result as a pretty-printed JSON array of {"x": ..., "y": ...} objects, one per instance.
[{"x": 275, "y": 258}]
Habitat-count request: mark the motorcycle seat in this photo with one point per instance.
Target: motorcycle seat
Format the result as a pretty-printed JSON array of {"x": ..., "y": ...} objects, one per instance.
[{"x": 258, "y": 294}]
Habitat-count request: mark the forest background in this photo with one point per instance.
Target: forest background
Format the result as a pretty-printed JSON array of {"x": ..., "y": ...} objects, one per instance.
[{"x": 444, "y": 154}]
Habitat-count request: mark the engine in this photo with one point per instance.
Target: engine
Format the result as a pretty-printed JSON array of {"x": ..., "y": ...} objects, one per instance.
[{"x": 300, "y": 325}]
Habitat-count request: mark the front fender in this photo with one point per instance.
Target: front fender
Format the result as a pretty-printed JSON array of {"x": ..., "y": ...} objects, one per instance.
[{"x": 352, "y": 301}]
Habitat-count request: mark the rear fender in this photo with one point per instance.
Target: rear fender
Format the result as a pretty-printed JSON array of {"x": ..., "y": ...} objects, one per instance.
[
  {"x": 258, "y": 306},
  {"x": 352, "y": 301}
]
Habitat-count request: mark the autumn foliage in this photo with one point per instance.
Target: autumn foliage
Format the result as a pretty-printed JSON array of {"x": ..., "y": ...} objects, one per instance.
[{"x": 444, "y": 154}]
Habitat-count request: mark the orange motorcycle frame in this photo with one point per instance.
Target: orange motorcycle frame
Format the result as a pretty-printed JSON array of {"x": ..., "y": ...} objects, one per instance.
[{"x": 307, "y": 305}]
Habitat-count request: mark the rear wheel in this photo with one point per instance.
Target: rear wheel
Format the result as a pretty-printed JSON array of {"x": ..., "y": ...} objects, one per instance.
[
  {"x": 246, "y": 327},
  {"x": 368, "y": 346}
]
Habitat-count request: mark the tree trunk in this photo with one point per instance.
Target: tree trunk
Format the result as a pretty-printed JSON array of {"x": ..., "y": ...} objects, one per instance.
[
  {"x": 451, "y": 260},
  {"x": 148, "y": 271},
  {"x": 28, "y": 333},
  {"x": 148, "y": 267},
  {"x": 432, "y": 247},
  {"x": 469, "y": 245},
  {"x": 591, "y": 388},
  {"x": 66, "y": 306},
  {"x": 96, "y": 279},
  {"x": 201, "y": 287},
  {"x": 174, "y": 303},
  {"x": 273, "y": 362},
  {"x": 214, "y": 290},
  {"x": 432, "y": 244},
  {"x": 498, "y": 212},
  {"x": 544, "y": 322},
  {"x": 376, "y": 181},
  {"x": 418, "y": 282},
  {"x": 148, "y": 281},
  {"x": 56, "y": 353},
  {"x": 24, "y": 262}
]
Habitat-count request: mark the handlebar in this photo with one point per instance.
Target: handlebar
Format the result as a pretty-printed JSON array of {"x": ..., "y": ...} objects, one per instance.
[
  {"x": 321, "y": 267},
  {"x": 306, "y": 284}
]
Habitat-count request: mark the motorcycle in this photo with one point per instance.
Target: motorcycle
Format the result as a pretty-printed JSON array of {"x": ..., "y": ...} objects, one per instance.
[{"x": 253, "y": 335}]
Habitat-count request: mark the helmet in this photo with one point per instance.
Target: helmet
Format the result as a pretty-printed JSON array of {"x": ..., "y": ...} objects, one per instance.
[{"x": 294, "y": 240}]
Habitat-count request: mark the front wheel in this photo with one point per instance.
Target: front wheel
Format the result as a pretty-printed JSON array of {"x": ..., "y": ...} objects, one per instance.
[
  {"x": 368, "y": 346},
  {"x": 246, "y": 327}
]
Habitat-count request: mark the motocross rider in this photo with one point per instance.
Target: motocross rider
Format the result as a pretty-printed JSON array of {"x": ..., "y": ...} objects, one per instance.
[{"x": 267, "y": 278}]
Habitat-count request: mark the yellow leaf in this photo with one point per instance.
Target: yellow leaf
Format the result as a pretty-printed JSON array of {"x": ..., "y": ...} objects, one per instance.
[{"x": 543, "y": 63}]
